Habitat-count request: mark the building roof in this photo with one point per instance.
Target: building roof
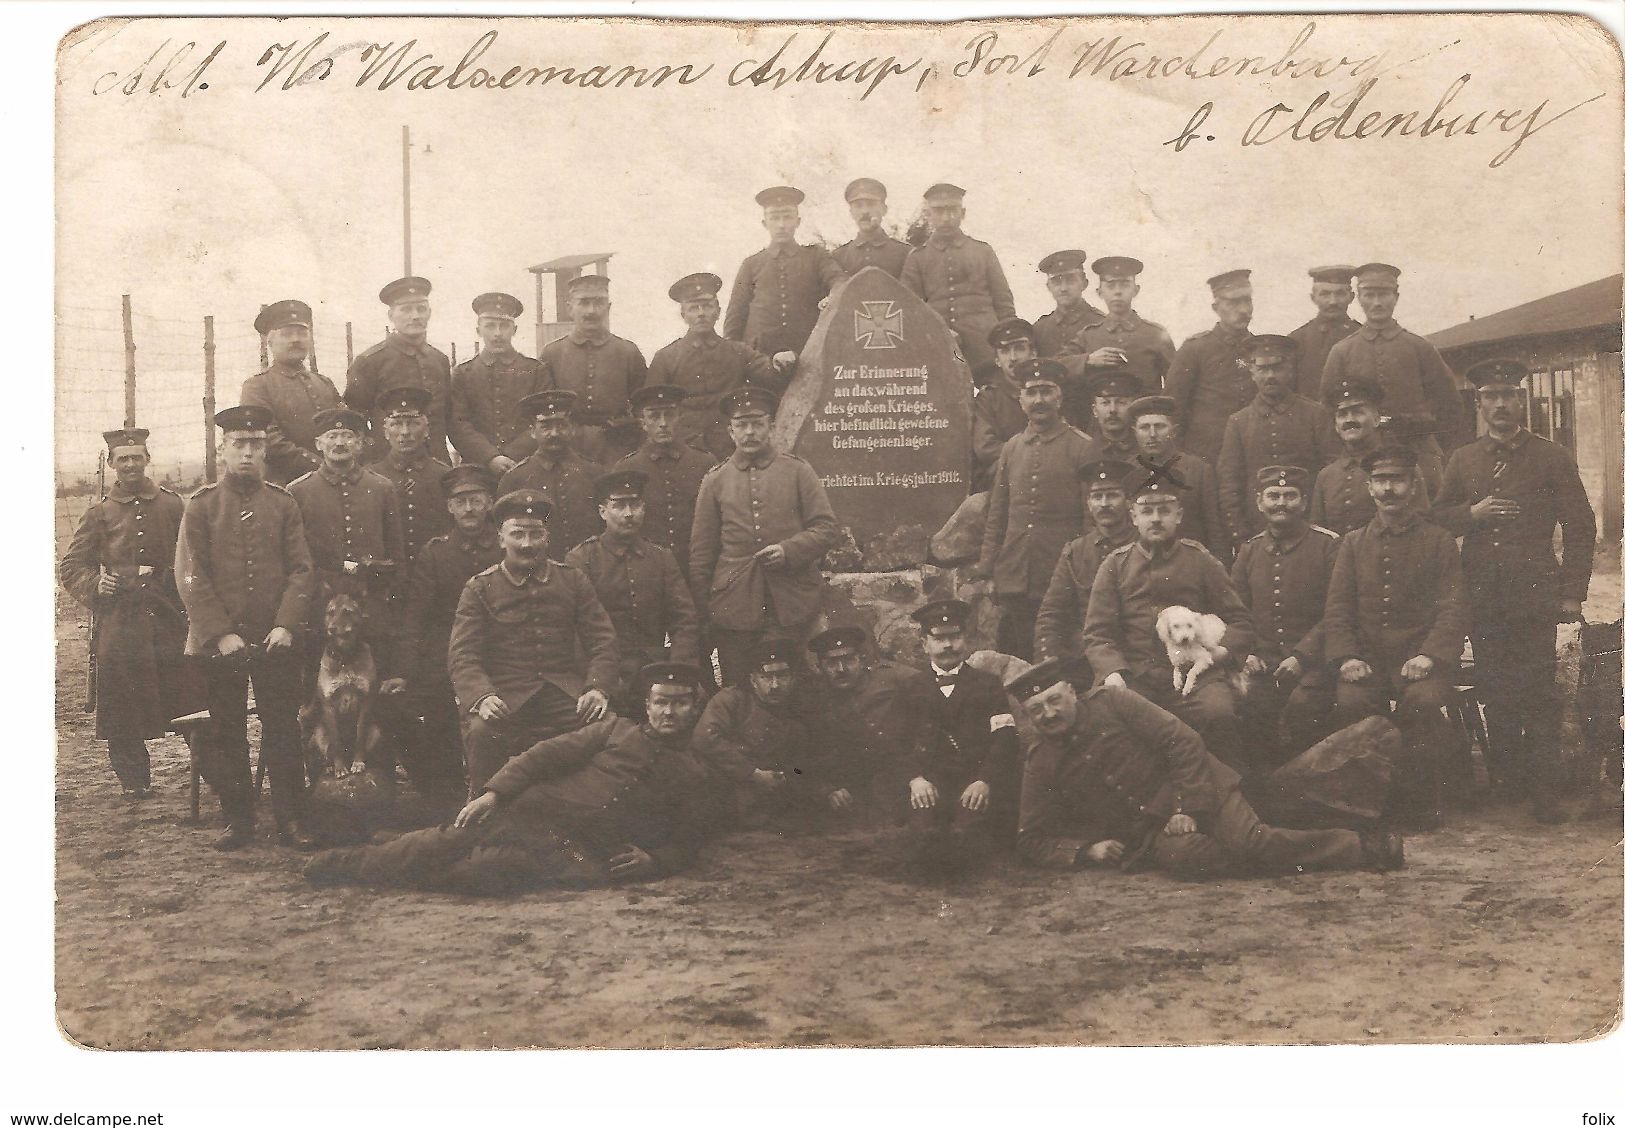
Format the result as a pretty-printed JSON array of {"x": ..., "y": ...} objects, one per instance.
[
  {"x": 1595, "y": 305},
  {"x": 570, "y": 262}
]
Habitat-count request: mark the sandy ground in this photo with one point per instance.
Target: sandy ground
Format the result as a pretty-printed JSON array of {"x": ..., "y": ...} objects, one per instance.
[{"x": 1500, "y": 931}]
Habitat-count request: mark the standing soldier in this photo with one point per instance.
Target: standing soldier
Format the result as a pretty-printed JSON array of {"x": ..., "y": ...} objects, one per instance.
[
  {"x": 1067, "y": 282},
  {"x": 1418, "y": 388},
  {"x": 1394, "y": 628},
  {"x": 1282, "y": 575},
  {"x": 1503, "y": 494},
  {"x": 638, "y": 583},
  {"x": 866, "y": 199},
  {"x": 1208, "y": 380},
  {"x": 958, "y": 276},
  {"x": 293, "y": 392},
  {"x": 779, "y": 290},
  {"x": 761, "y": 523},
  {"x": 413, "y": 471},
  {"x": 673, "y": 469},
  {"x": 1279, "y": 428},
  {"x": 404, "y": 356},
  {"x": 352, "y": 524},
  {"x": 245, "y": 578},
  {"x": 1059, "y": 629},
  {"x": 996, "y": 414},
  {"x": 1340, "y": 500},
  {"x": 556, "y": 471},
  {"x": 1331, "y": 291},
  {"x": 121, "y": 566},
  {"x": 1036, "y": 505},
  {"x": 1112, "y": 393},
  {"x": 487, "y": 427},
  {"x": 1156, "y": 424},
  {"x": 532, "y": 654},
  {"x": 438, "y": 576},
  {"x": 706, "y": 367},
  {"x": 1120, "y": 340},
  {"x": 603, "y": 370}
]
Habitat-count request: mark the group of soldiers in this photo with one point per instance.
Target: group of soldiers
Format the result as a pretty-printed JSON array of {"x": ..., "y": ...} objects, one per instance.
[{"x": 592, "y": 634}]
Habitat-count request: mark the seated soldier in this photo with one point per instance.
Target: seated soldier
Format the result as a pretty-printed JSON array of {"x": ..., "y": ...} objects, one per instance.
[
  {"x": 750, "y": 738},
  {"x": 963, "y": 788},
  {"x": 615, "y": 801},
  {"x": 1159, "y": 569},
  {"x": 1114, "y": 780}
]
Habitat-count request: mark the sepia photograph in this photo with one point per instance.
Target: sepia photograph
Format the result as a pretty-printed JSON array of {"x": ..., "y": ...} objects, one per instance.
[{"x": 594, "y": 531}]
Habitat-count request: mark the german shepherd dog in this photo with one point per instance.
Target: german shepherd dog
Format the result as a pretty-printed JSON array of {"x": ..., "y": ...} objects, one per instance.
[{"x": 340, "y": 729}]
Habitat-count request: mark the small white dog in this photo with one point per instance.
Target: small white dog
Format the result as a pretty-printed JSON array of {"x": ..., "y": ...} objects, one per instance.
[{"x": 1191, "y": 639}]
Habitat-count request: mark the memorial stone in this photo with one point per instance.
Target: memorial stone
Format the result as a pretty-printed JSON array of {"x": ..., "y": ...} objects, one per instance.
[{"x": 881, "y": 408}]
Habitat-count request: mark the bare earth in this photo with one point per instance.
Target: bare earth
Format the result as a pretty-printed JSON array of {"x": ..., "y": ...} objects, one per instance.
[{"x": 1500, "y": 931}]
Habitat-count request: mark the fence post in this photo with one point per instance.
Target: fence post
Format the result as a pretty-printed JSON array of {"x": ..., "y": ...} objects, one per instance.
[
  {"x": 349, "y": 345},
  {"x": 129, "y": 365},
  {"x": 209, "y": 468}
]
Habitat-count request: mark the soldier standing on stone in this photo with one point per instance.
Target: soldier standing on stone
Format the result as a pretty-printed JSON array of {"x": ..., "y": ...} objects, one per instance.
[
  {"x": 1058, "y": 632},
  {"x": 245, "y": 577},
  {"x": 1418, "y": 388},
  {"x": 996, "y": 414},
  {"x": 414, "y": 472},
  {"x": 1120, "y": 340},
  {"x": 1208, "y": 380},
  {"x": 761, "y": 523},
  {"x": 1340, "y": 500},
  {"x": 293, "y": 392},
  {"x": 779, "y": 290},
  {"x": 673, "y": 469},
  {"x": 706, "y": 367},
  {"x": 603, "y": 370},
  {"x": 1282, "y": 575},
  {"x": 866, "y": 199},
  {"x": 438, "y": 577},
  {"x": 556, "y": 471},
  {"x": 1394, "y": 628},
  {"x": 487, "y": 427},
  {"x": 1155, "y": 420},
  {"x": 638, "y": 583},
  {"x": 1279, "y": 428},
  {"x": 532, "y": 653},
  {"x": 404, "y": 356},
  {"x": 1504, "y": 494},
  {"x": 1036, "y": 505},
  {"x": 1332, "y": 290},
  {"x": 121, "y": 565},
  {"x": 958, "y": 276}
]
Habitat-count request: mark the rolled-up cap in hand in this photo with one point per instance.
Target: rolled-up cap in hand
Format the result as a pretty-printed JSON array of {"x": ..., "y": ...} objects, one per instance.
[
  {"x": 408, "y": 289},
  {"x": 1230, "y": 284},
  {"x": 244, "y": 417},
  {"x": 280, "y": 315},
  {"x": 407, "y": 399},
  {"x": 1062, "y": 262},
  {"x": 1118, "y": 266},
  {"x": 339, "y": 419},
  {"x": 1036, "y": 679},
  {"x": 1153, "y": 405},
  {"x": 467, "y": 478},
  {"x": 1294, "y": 477},
  {"x": 1379, "y": 274},
  {"x": 1269, "y": 348},
  {"x": 944, "y": 193},
  {"x": 681, "y": 674},
  {"x": 1338, "y": 275},
  {"x": 780, "y": 196},
  {"x": 496, "y": 304},
  {"x": 748, "y": 400},
  {"x": 865, "y": 188},
  {"x": 550, "y": 403},
  {"x": 1352, "y": 389},
  {"x": 125, "y": 436},
  {"x": 522, "y": 503},
  {"x": 693, "y": 287},
  {"x": 1039, "y": 370},
  {"x": 1487, "y": 372},
  {"x": 620, "y": 485},
  {"x": 1009, "y": 331},
  {"x": 825, "y": 641},
  {"x": 942, "y": 613},
  {"x": 657, "y": 395}
]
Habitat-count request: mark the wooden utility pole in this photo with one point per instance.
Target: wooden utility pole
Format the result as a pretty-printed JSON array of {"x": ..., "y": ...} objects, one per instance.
[
  {"x": 129, "y": 365},
  {"x": 209, "y": 467}
]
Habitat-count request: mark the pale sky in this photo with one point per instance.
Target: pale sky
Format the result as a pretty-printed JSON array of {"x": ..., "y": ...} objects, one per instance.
[{"x": 228, "y": 198}]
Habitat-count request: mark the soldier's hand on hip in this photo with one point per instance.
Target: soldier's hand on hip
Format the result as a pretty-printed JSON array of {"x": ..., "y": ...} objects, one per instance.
[
  {"x": 1178, "y": 825},
  {"x": 279, "y": 638},
  {"x": 1115, "y": 679},
  {"x": 1417, "y": 668},
  {"x": 108, "y": 583},
  {"x": 491, "y": 708},
  {"x": 922, "y": 793},
  {"x": 1110, "y": 850},
  {"x": 771, "y": 557},
  {"x": 230, "y": 644},
  {"x": 841, "y": 799},
  {"x": 975, "y": 796},
  {"x": 501, "y": 464},
  {"x": 1354, "y": 670},
  {"x": 592, "y": 705},
  {"x": 630, "y": 862},
  {"x": 477, "y": 809}
]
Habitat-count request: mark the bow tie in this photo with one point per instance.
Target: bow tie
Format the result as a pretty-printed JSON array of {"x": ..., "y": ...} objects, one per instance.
[{"x": 948, "y": 679}]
